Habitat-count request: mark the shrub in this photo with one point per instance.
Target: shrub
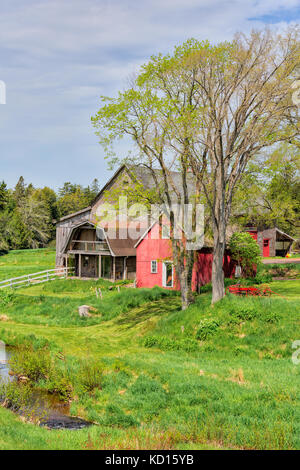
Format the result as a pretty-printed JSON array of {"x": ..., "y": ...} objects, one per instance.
[
  {"x": 60, "y": 385},
  {"x": 206, "y": 328},
  {"x": 169, "y": 344},
  {"x": 243, "y": 312},
  {"x": 245, "y": 251},
  {"x": 33, "y": 364},
  {"x": 7, "y": 296},
  {"x": 90, "y": 375},
  {"x": 25, "y": 341},
  {"x": 249, "y": 312},
  {"x": 262, "y": 278},
  {"x": 14, "y": 395}
]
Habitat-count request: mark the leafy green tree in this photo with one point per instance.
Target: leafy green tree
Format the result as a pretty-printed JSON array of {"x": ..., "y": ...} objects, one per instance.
[
  {"x": 208, "y": 109},
  {"x": 269, "y": 192},
  {"x": 71, "y": 199},
  {"x": 35, "y": 217},
  {"x": 17, "y": 233},
  {"x": 74, "y": 197},
  {"x": 245, "y": 251}
]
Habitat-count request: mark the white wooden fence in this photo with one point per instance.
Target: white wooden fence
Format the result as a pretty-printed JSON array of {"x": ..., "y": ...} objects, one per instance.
[{"x": 36, "y": 278}]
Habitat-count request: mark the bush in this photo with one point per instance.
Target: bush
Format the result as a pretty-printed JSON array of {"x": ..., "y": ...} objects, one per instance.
[
  {"x": 249, "y": 312},
  {"x": 168, "y": 344},
  {"x": 7, "y": 296},
  {"x": 206, "y": 328},
  {"x": 25, "y": 341},
  {"x": 33, "y": 364},
  {"x": 262, "y": 278},
  {"x": 60, "y": 385},
  {"x": 245, "y": 250},
  {"x": 90, "y": 375},
  {"x": 14, "y": 396},
  {"x": 243, "y": 312}
]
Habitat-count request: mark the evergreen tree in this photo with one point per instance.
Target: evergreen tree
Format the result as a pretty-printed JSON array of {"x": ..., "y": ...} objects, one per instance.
[{"x": 3, "y": 195}]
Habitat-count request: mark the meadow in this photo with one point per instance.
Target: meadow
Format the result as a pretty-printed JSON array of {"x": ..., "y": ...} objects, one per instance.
[{"x": 150, "y": 376}]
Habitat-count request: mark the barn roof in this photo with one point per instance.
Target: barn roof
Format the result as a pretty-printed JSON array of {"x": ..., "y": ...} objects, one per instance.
[
  {"x": 117, "y": 246},
  {"x": 69, "y": 216},
  {"x": 144, "y": 175},
  {"x": 121, "y": 247},
  {"x": 147, "y": 177},
  {"x": 285, "y": 235}
]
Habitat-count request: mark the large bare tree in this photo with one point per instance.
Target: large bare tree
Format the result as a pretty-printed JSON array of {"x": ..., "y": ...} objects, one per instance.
[
  {"x": 244, "y": 93},
  {"x": 206, "y": 110},
  {"x": 156, "y": 113}
]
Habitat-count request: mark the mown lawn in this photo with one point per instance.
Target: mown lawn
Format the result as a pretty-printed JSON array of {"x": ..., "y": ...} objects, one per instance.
[{"x": 209, "y": 377}]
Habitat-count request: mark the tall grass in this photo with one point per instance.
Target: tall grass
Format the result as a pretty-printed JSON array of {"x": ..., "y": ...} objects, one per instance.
[
  {"x": 210, "y": 377},
  {"x": 55, "y": 310}
]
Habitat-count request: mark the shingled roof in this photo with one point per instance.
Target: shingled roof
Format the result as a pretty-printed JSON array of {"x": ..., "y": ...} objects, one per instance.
[{"x": 145, "y": 176}]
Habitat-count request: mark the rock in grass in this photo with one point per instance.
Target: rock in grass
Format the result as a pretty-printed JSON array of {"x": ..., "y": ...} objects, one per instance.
[{"x": 83, "y": 311}]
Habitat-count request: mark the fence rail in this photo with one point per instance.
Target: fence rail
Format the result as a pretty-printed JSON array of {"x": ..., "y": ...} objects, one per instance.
[{"x": 36, "y": 278}]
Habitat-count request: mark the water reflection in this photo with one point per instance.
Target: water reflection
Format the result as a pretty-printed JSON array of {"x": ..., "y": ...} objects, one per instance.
[
  {"x": 48, "y": 408},
  {"x": 4, "y": 366}
]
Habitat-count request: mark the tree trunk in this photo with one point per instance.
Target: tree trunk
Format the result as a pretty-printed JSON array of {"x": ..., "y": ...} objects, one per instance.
[
  {"x": 184, "y": 263},
  {"x": 218, "y": 290},
  {"x": 187, "y": 297}
]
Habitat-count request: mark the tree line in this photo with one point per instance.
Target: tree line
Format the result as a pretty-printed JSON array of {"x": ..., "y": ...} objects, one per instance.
[{"x": 28, "y": 214}]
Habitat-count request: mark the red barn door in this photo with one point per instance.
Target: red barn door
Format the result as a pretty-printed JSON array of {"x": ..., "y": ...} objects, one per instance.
[{"x": 266, "y": 247}]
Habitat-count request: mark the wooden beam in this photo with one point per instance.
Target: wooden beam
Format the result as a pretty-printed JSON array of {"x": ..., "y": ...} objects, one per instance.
[
  {"x": 100, "y": 273},
  {"x": 114, "y": 268},
  {"x": 79, "y": 265},
  {"x": 125, "y": 268}
]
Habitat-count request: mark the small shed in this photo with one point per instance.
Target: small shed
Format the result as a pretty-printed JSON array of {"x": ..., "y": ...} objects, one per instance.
[{"x": 272, "y": 241}]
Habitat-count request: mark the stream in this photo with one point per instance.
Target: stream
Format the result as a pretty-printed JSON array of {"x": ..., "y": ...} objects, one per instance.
[{"x": 51, "y": 412}]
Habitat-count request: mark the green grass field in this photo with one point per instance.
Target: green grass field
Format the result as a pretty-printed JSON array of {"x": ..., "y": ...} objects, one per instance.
[
  {"x": 207, "y": 378},
  {"x": 19, "y": 262}
]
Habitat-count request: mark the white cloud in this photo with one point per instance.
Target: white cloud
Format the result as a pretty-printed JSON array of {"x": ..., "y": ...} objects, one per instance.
[{"x": 59, "y": 56}]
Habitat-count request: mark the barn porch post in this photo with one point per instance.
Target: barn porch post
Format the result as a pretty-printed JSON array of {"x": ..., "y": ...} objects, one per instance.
[
  {"x": 125, "y": 268},
  {"x": 67, "y": 256},
  {"x": 114, "y": 268},
  {"x": 100, "y": 273},
  {"x": 79, "y": 271}
]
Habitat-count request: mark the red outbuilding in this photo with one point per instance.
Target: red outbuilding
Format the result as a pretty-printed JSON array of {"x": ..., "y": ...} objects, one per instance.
[{"x": 154, "y": 262}]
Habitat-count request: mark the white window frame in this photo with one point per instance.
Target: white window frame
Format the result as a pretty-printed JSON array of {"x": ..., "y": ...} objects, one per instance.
[
  {"x": 164, "y": 272},
  {"x": 153, "y": 271}
]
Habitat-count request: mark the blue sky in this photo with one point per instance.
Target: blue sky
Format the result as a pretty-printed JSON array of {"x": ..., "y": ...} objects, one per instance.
[{"x": 58, "y": 56}]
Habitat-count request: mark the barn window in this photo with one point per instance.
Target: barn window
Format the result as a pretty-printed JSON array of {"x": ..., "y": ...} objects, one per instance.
[
  {"x": 168, "y": 274},
  {"x": 153, "y": 266}
]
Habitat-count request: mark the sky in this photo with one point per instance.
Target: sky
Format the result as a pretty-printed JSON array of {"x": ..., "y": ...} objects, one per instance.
[{"x": 57, "y": 57}]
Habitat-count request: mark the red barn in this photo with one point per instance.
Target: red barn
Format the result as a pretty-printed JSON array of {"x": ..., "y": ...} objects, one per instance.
[{"x": 154, "y": 265}]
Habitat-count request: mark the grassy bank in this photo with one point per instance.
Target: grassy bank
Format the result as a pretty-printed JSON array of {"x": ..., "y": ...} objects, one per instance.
[{"x": 209, "y": 377}]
